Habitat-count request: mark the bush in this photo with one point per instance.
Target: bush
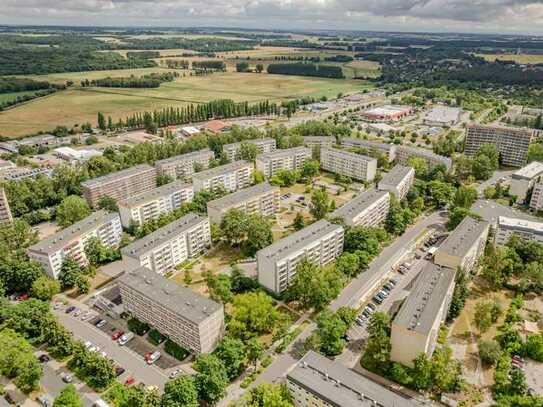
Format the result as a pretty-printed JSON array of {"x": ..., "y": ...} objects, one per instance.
[
  {"x": 138, "y": 327},
  {"x": 155, "y": 337},
  {"x": 489, "y": 351},
  {"x": 266, "y": 361},
  {"x": 175, "y": 350}
]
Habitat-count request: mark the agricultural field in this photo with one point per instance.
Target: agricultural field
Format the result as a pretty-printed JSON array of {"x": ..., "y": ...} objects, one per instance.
[
  {"x": 521, "y": 58},
  {"x": 4, "y": 97}
]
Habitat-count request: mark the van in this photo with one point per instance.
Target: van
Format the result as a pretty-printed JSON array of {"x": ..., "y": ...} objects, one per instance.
[
  {"x": 153, "y": 357},
  {"x": 125, "y": 338}
]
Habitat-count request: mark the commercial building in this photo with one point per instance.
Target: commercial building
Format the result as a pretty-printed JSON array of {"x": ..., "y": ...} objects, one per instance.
[
  {"x": 74, "y": 156},
  {"x": 190, "y": 320},
  {"x": 216, "y": 126},
  {"x": 319, "y": 141},
  {"x": 388, "y": 149},
  {"x": 380, "y": 129},
  {"x": 182, "y": 166},
  {"x": 536, "y": 201},
  {"x": 150, "y": 205},
  {"x": 352, "y": 165},
  {"x": 120, "y": 185},
  {"x": 464, "y": 246},
  {"x": 320, "y": 242},
  {"x": 318, "y": 381},
  {"x": 415, "y": 328},
  {"x": 524, "y": 179},
  {"x": 264, "y": 145},
  {"x": 369, "y": 208},
  {"x": 231, "y": 177},
  {"x": 261, "y": 199},
  {"x": 405, "y": 153},
  {"x": 5, "y": 212},
  {"x": 398, "y": 181},
  {"x": 289, "y": 159},
  {"x": 525, "y": 229},
  {"x": 70, "y": 242},
  {"x": 387, "y": 113},
  {"x": 512, "y": 143},
  {"x": 170, "y": 245},
  {"x": 442, "y": 116}
]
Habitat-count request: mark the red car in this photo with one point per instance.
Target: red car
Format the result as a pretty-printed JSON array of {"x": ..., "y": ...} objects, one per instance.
[
  {"x": 116, "y": 335},
  {"x": 130, "y": 381},
  {"x": 22, "y": 297}
]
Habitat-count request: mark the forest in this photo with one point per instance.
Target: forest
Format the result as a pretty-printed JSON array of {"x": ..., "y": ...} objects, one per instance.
[
  {"x": 323, "y": 71},
  {"x": 153, "y": 80}
]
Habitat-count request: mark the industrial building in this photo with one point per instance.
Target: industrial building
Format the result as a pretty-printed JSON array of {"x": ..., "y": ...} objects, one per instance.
[
  {"x": 183, "y": 166},
  {"x": 74, "y": 156},
  {"x": 264, "y": 145},
  {"x": 405, "y": 153},
  {"x": 356, "y": 166},
  {"x": 387, "y": 113},
  {"x": 398, "y": 181},
  {"x": 442, "y": 116},
  {"x": 369, "y": 208},
  {"x": 230, "y": 177},
  {"x": 388, "y": 149},
  {"x": 5, "y": 212},
  {"x": 524, "y": 179},
  {"x": 525, "y": 229},
  {"x": 289, "y": 159}
]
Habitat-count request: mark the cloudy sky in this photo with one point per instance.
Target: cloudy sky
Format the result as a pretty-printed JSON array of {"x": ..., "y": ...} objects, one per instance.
[{"x": 492, "y": 16}]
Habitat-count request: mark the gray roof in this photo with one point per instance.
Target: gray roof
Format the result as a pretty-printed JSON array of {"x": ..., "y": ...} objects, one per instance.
[
  {"x": 396, "y": 175},
  {"x": 358, "y": 204},
  {"x": 367, "y": 143},
  {"x": 299, "y": 239},
  {"x": 317, "y": 139},
  {"x": 162, "y": 235},
  {"x": 283, "y": 153},
  {"x": 242, "y": 195},
  {"x": 222, "y": 169},
  {"x": 421, "y": 308},
  {"x": 58, "y": 240},
  {"x": 116, "y": 176},
  {"x": 347, "y": 154},
  {"x": 188, "y": 156},
  {"x": 462, "y": 239},
  {"x": 178, "y": 299},
  {"x": 256, "y": 141},
  {"x": 164, "y": 190},
  {"x": 342, "y": 387},
  {"x": 424, "y": 153},
  {"x": 529, "y": 172}
]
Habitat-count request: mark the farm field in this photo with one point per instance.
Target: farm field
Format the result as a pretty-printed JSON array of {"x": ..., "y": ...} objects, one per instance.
[
  {"x": 4, "y": 97},
  {"x": 521, "y": 58}
]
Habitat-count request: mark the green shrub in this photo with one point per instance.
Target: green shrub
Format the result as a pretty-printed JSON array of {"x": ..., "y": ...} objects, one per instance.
[
  {"x": 138, "y": 327},
  {"x": 175, "y": 350},
  {"x": 267, "y": 361},
  {"x": 155, "y": 337}
]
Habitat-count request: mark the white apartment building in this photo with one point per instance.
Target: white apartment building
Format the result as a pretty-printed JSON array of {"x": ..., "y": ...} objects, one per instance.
[
  {"x": 525, "y": 229},
  {"x": 319, "y": 141},
  {"x": 524, "y": 179},
  {"x": 171, "y": 245},
  {"x": 289, "y": 159},
  {"x": 190, "y": 320},
  {"x": 369, "y": 208},
  {"x": 352, "y": 165},
  {"x": 536, "y": 201},
  {"x": 405, "y": 153},
  {"x": 321, "y": 243},
  {"x": 264, "y": 145},
  {"x": 231, "y": 177},
  {"x": 150, "y": 205},
  {"x": 261, "y": 199},
  {"x": 388, "y": 149},
  {"x": 70, "y": 242},
  {"x": 182, "y": 166},
  {"x": 398, "y": 181}
]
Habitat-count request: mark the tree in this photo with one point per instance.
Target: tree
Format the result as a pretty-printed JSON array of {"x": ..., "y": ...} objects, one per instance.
[
  {"x": 486, "y": 314},
  {"x": 267, "y": 395},
  {"x": 180, "y": 391},
  {"x": 18, "y": 361},
  {"x": 234, "y": 226},
  {"x": 489, "y": 351},
  {"x": 376, "y": 357},
  {"x": 248, "y": 151},
  {"x": 320, "y": 204},
  {"x": 490, "y": 151},
  {"x": 299, "y": 221},
  {"x": 535, "y": 152},
  {"x": 460, "y": 294},
  {"x": 44, "y": 288},
  {"x": 465, "y": 196},
  {"x": 220, "y": 287},
  {"x": 440, "y": 193},
  {"x": 255, "y": 349},
  {"x": 420, "y": 165},
  {"x": 482, "y": 167},
  {"x": 71, "y": 210},
  {"x": 259, "y": 234},
  {"x": 395, "y": 222},
  {"x": 533, "y": 347},
  {"x": 348, "y": 264},
  {"x": 70, "y": 272},
  {"x": 98, "y": 254},
  {"x": 242, "y": 67},
  {"x": 108, "y": 203},
  {"x": 421, "y": 372},
  {"x": 446, "y": 372},
  {"x": 101, "y": 121},
  {"x": 259, "y": 68},
  {"x": 231, "y": 351},
  {"x": 331, "y": 330},
  {"x": 258, "y": 177},
  {"x": 253, "y": 314},
  {"x": 310, "y": 169},
  {"x": 211, "y": 379},
  {"x": 457, "y": 215},
  {"x": 68, "y": 397},
  {"x": 83, "y": 284}
]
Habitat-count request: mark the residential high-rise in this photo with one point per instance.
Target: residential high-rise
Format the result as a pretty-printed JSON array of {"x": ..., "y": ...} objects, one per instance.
[
  {"x": 190, "y": 320},
  {"x": 512, "y": 143},
  {"x": 70, "y": 242},
  {"x": 231, "y": 177},
  {"x": 398, "y": 181},
  {"x": 405, "y": 153},
  {"x": 5, "y": 212},
  {"x": 524, "y": 179},
  {"x": 352, "y": 165},
  {"x": 525, "y": 229},
  {"x": 171, "y": 245},
  {"x": 120, "y": 185},
  {"x": 264, "y": 145},
  {"x": 388, "y": 149},
  {"x": 369, "y": 208},
  {"x": 289, "y": 159},
  {"x": 319, "y": 141},
  {"x": 150, "y": 205},
  {"x": 261, "y": 199},
  {"x": 536, "y": 201},
  {"x": 183, "y": 166},
  {"x": 321, "y": 243}
]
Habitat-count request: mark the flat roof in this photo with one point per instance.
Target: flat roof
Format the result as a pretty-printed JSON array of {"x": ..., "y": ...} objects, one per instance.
[
  {"x": 359, "y": 203},
  {"x": 242, "y": 195},
  {"x": 520, "y": 131},
  {"x": 423, "y": 304},
  {"x": 521, "y": 225},
  {"x": 320, "y": 138},
  {"x": 287, "y": 152},
  {"x": 387, "y": 110},
  {"x": 178, "y": 299},
  {"x": 396, "y": 175},
  {"x": 115, "y": 176},
  {"x": 422, "y": 152},
  {"x": 462, "y": 239},
  {"x": 58, "y": 240},
  {"x": 222, "y": 169},
  {"x": 367, "y": 143},
  {"x": 156, "y": 193},
  {"x": 443, "y": 114},
  {"x": 188, "y": 156},
  {"x": 264, "y": 140},
  {"x": 339, "y": 386},
  {"x": 348, "y": 154},
  {"x": 529, "y": 171}
]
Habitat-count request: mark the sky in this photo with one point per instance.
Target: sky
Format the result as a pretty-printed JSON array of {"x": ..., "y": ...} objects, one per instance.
[{"x": 477, "y": 16}]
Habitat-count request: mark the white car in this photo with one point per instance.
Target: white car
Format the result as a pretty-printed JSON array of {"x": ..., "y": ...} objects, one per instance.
[
  {"x": 88, "y": 344},
  {"x": 124, "y": 339},
  {"x": 153, "y": 357},
  {"x": 175, "y": 373},
  {"x": 76, "y": 313}
]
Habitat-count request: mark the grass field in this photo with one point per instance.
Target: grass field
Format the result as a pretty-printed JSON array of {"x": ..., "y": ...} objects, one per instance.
[
  {"x": 4, "y": 97},
  {"x": 521, "y": 58},
  {"x": 76, "y": 106}
]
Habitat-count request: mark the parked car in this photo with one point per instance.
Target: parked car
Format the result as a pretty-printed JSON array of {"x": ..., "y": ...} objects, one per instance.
[
  {"x": 88, "y": 344},
  {"x": 388, "y": 286},
  {"x": 44, "y": 358},
  {"x": 70, "y": 309},
  {"x": 116, "y": 335},
  {"x": 22, "y": 297},
  {"x": 44, "y": 400},
  {"x": 76, "y": 312},
  {"x": 119, "y": 371},
  {"x": 127, "y": 337},
  {"x": 393, "y": 282},
  {"x": 383, "y": 293},
  {"x": 66, "y": 378},
  {"x": 175, "y": 373},
  {"x": 372, "y": 306},
  {"x": 377, "y": 300},
  {"x": 130, "y": 381},
  {"x": 100, "y": 323},
  {"x": 151, "y": 358},
  {"x": 57, "y": 306},
  {"x": 86, "y": 315}
]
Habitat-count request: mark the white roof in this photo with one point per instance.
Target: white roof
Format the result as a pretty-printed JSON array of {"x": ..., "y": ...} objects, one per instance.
[
  {"x": 530, "y": 171},
  {"x": 388, "y": 109},
  {"x": 381, "y": 126},
  {"x": 443, "y": 114},
  {"x": 515, "y": 223},
  {"x": 76, "y": 154},
  {"x": 190, "y": 130}
]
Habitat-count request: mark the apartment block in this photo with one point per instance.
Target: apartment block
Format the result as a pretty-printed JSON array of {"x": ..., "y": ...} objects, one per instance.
[
  {"x": 398, "y": 181},
  {"x": 525, "y": 229},
  {"x": 536, "y": 201},
  {"x": 171, "y": 245},
  {"x": 264, "y": 145},
  {"x": 415, "y": 328},
  {"x": 5, "y": 212},
  {"x": 261, "y": 199},
  {"x": 120, "y": 185},
  {"x": 524, "y": 179},
  {"x": 464, "y": 246},
  {"x": 190, "y": 320},
  {"x": 512, "y": 143},
  {"x": 369, "y": 208},
  {"x": 231, "y": 177},
  {"x": 319, "y": 141},
  {"x": 320, "y": 242},
  {"x": 318, "y": 381},
  {"x": 183, "y": 166},
  {"x": 352, "y": 165},
  {"x": 388, "y": 149},
  {"x": 405, "y": 153},
  {"x": 289, "y": 159},
  {"x": 150, "y": 205},
  {"x": 70, "y": 242}
]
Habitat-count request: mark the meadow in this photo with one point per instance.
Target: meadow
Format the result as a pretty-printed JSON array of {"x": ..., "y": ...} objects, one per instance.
[{"x": 520, "y": 58}]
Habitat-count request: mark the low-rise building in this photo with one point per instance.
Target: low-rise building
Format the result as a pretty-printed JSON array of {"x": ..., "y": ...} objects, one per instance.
[
  {"x": 368, "y": 208},
  {"x": 5, "y": 212},
  {"x": 318, "y": 381},
  {"x": 150, "y": 205},
  {"x": 74, "y": 156},
  {"x": 264, "y": 145},
  {"x": 261, "y": 199},
  {"x": 189, "y": 131},
  {"x": 442, "y": 116},
  {"x": 190, "y": 320},
  {"x": 415, "y": 328},
  {"x": 525, "y": 229},
  {"x": 388, "y": 149},
  {"x": 70, "y": 242},
  {"x": 387, "y": 113},
  {"x": 319, "y": 141},
  {"x": 405, "y": 153},
  {"x": 183, "y": 166},
  {"x": 356, "y": 166},
  {"x": 524, "y": 179},
  {"x": 216, "y": 126},
  {"x": 536, "y": 200},
  {"x": 464, "y": 246},
  {"x": 171, "y": 245},
  {"x": 231, "y": 177},
  {"x": 380, "y": 129},
  {"x": 398, "y": 181},
  {"x": 320, "y": 242},
  {"x": 288, "y": 159}
]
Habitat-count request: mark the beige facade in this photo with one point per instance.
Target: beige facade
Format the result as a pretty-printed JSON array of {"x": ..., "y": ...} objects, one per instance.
[
  {"x": 319, "y": 141},
  {"x": 183, "y": 166},
  {"x": 524, "y": 179},
  {"x": 230, "y": 177},
  {"x": 405, "y": 153},
  {"x": 369, "y": 208},
  {"x": 352, "y": 165},
  {"x": 398, "y": 181},
  {"x": 5, "y": 212},
  {"x": 525, "y": 229},
  {"x": 536, "y": 201},
  {"x": 388, "y": 149},
  {"x": 289, "y": 159},
  {"x": 264, "y": 145}
]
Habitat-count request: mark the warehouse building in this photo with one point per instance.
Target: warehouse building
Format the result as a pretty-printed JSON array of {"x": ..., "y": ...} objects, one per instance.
[
  {"x": 352, "y": 165},
  {"x": 442, "y": 116},
  {"x": 405, "y": 153},
  {"x": 525, "y": 229},
  {"x": 388, "y": 149},
  {"x": 369, "y": 208},
  {"x": 264, "y": 145},
  {"x": 289, "y": 159},
  {"x": 398, "y": 181},
  {"x": 524, "y": 179},
  {"x": 230, "y": 177},
  {"x": 183, "y": 166},
  {"x": 387, "y": 113}
]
